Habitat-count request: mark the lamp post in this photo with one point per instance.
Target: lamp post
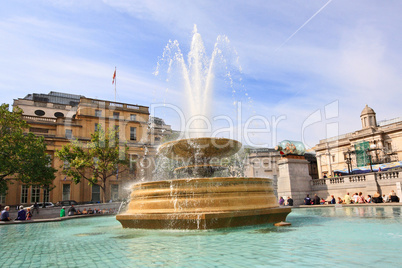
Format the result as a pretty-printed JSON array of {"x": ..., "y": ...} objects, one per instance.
[{"x": 349, "y": 160}]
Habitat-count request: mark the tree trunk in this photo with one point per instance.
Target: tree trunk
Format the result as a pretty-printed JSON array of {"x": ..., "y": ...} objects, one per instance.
[{"x": 104, "y": 190}]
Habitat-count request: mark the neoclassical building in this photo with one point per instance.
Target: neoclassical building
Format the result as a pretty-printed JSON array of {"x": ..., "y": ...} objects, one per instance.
[
  {"x": 61, "y": 118},
  {"x": 376, "y": 142}
]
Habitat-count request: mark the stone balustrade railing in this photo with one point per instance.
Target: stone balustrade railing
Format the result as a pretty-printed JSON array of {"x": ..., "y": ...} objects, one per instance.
[
  {"x": 340, "y": 180},
  {"x": 386, "y": 175},
  {"x": 357, "y": 178}
]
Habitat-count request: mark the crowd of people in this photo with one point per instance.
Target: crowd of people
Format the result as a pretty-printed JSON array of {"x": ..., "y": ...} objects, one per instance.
[
  {"x": 22, "y": 215},
  {"x": 356, "y": 198},
  {"x": 72, "y": 211},
  {"x": 25, "y": 214},
  {"x": 288, "y": 202}
]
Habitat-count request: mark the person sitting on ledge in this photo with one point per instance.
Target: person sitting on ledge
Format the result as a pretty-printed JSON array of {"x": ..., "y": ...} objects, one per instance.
[
  {"x": 90, "y": 211},
  {"x": 290, "y": 201},
  {"x": 340, "y": 201},
  {"x": 322, "y": 202},
  {"x": 355, "y": 198},
  {"x": 281, "y": 201},
  {"x": 347, "y": 199},
  {"x": 29, "y": 214},
  {"x": 368, "y": 200},
  {"x": 22, "y": 214},
  {"x": 85, "y": 211},
  {"x": 393, "y": 197},
  {"x": 5, "y": 216},
  {"x": 71, "y": 211},
  {"x": 361, "y": 199},
  {"x": 377, "y": 198},
  {"x": 63, "y": 212},
  {"x": 316, "y": 200},
  {"x": 333, "y": 201},
  {"x": 307, "y": 200}
]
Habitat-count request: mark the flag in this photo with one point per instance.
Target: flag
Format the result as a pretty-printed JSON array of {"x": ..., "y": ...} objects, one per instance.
[{"x": 114, "y": 76}]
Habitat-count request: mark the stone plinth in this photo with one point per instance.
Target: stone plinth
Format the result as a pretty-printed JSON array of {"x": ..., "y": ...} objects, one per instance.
[{"x": 294, "y": 179}]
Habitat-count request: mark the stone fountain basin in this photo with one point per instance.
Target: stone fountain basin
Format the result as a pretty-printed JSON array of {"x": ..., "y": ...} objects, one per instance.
[{"x": 202, "y": 203}]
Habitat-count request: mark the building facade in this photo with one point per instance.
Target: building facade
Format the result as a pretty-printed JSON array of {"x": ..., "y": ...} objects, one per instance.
[
  {"x": 376, "y": 142},
  {"x": 61, "y": 118}
]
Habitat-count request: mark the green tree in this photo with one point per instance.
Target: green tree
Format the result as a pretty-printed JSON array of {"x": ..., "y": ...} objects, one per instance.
[
  {"x": 22, "y": 156},
  {"x": 98, "y": 160}
]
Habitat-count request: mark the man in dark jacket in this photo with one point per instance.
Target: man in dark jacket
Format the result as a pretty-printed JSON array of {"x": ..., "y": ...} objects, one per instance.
[
  {"x": 22, "y": 214},
  {"x": 71, "y": 211},
  {"x": 316, "y": 200},
  {"x": 307, "y": 200},
  {"x": 5, "y": 216},
  {"x": 290, "y": 201}
]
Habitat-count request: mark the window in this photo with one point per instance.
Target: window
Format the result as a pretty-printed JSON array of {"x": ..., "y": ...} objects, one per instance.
[
  {"x": 24, "y": 194},
  {"x": 114, "y": 192},
  {"x": 98, "y": 113},
  {"x": 35, "y": 194},
  {"x": 96, "y": 127},
  {"x": 116, "y": 128},
  {"x": 40, "y": 112},
  {"x": 133, "y": 133},
  {"x": 58, "y": 114},
  {"x": 95, "y": 192},
  {"x": 116, "y": 115},
  {"x": 389, "y": 146},
  {"x": 66, "y": 192},
  {"x": 2, "y": 198},
  {"x": 69, "y": 133},
  {"x": 133, "y": 117},
  {"x": 45, "y": 195},
  {"x": 38, "y": 130},
  {"x": 49, "y": 159},
  {"x": 333, "y": 158}
]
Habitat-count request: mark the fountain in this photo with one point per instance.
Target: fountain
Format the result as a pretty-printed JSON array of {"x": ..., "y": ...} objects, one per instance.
[
  {"x": 202, "y": 202},
  {"x": 199, "y": 200}
]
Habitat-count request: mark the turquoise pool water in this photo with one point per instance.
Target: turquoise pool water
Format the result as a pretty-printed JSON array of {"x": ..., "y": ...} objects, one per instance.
[{"x": 343, "y": 237}]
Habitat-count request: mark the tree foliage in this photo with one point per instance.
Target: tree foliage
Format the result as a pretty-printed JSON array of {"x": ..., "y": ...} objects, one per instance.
[
  {"x": 98, "y": 160},
  {"x": 22, "y": 156}
]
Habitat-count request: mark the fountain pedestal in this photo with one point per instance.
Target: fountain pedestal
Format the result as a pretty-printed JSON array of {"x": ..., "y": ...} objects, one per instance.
[{"x": 202, "y": 203}]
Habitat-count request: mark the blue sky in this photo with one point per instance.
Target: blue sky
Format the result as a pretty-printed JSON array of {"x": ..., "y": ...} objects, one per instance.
[{"x": 301, "y": 60}]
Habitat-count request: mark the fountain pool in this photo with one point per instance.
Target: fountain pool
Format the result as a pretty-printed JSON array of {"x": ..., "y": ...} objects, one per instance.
[{"x": 365, "y": 236}]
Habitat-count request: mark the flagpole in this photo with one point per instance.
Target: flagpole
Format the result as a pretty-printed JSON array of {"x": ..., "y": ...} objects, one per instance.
[{"x": 115, "y": 82}]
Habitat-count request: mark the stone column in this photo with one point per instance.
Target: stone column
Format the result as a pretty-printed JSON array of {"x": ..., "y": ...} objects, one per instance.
[{"x": 294, "y": 179}]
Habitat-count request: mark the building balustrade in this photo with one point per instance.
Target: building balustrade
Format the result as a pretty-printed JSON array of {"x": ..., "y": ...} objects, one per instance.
[
  {"x": 386, "y": 175},
  {"x": 340, "y": 180},
  {"x": 35, "y": 118},
  {"x": 357, "y": 178},
  {"x": 336, "y": 180}
]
